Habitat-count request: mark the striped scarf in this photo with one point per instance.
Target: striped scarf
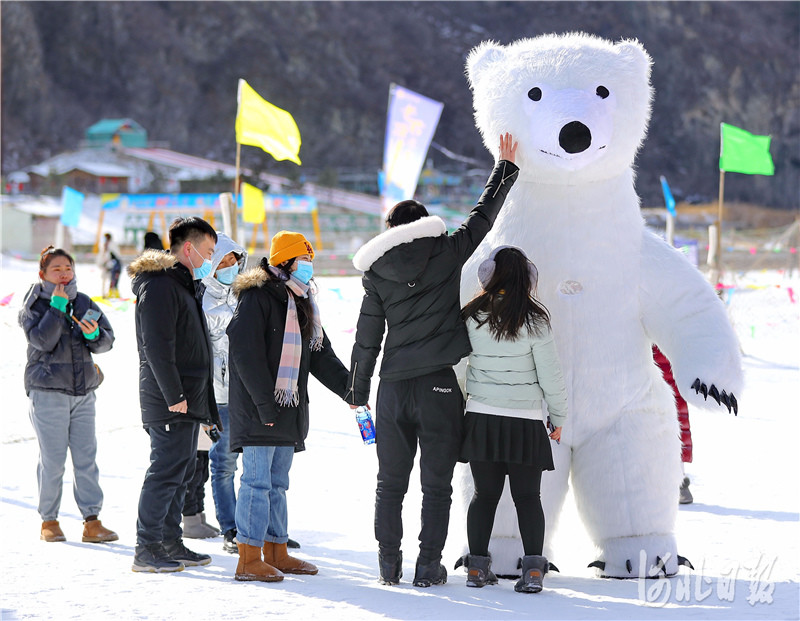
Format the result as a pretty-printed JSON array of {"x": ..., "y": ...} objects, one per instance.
[{"x": 286, "y": 393}]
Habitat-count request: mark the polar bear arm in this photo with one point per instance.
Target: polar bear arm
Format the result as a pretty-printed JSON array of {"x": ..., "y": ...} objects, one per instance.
[
  {"x": 551, "y": 379},
  {"x": 687, "y": 320},
  {"x": 480, "y": 220},
  {"x": 369, "y": 336}
]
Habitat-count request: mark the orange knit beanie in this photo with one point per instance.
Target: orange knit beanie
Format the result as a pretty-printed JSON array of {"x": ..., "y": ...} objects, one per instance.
[{"x": 287, "y": 245}]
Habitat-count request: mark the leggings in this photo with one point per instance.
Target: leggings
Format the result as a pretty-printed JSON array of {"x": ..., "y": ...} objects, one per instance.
[{"x": 489, "y": 479}]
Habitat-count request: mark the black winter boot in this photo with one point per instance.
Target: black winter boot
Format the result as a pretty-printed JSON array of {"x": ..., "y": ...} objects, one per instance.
[
  {"x": 182, "y": 554},
  {"x": 534, "y": 568},
  {"x": 391, "y": 567},
  {"x": 152, "y": 557},
  {"x": 479, "y": 570},
  {"x": 229, "y": 543},
  {"x": 429, "y": 573}
]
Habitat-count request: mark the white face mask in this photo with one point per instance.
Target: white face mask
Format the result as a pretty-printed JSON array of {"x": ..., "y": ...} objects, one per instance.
[{"x": 204, "y": 270}]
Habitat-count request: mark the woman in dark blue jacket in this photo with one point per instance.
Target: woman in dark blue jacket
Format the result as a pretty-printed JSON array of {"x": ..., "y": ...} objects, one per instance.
[{"x": 60, "y": 380}]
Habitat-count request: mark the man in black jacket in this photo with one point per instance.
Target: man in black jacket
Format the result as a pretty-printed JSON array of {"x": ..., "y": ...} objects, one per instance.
[
  {"x": 175, "y": 386},
  {"x": 412, "y": 275}
]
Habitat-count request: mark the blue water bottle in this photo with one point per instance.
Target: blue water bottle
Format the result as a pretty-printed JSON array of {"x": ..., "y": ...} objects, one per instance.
[{"x": 365, "y": 424}]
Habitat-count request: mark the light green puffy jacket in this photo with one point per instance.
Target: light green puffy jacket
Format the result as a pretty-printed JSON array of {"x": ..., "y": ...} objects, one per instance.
[{"x": 516, "y": 374}]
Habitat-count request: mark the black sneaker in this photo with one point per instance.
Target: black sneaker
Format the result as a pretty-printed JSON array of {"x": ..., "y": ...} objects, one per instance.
[
  {"x": 292, "y": 544},
  {"x": 230, "y": 544},
  {"x": 153, "y": 558},
  {"x": 429, "y": 573},
  {"x": 182, "y": 554},
  {"x": 391, "y": 568}
]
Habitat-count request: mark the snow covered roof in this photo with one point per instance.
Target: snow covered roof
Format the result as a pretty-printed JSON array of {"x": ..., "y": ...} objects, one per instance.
[
  {"x": 50, "y": 206},
  {"x": 190, "y": 166},
  {"x": 19, "y": 176},
  {"x": 125, "y": 161},
  {"x": 98, "y": 162}
]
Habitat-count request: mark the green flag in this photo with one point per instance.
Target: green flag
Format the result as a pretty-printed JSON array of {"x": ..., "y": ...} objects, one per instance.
[{"x": 742, "y": 152}]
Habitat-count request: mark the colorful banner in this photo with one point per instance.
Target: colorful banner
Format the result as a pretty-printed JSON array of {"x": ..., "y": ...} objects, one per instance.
[
  {"x": 285, "y": 203},
  {"x": 288, "y": 203},
  {"x": 264, "y": 125},
  {"x": 273, "y": 203},
  {"x": 743, "y": 152},
  {"x": 152, "y": 202},
  {"x": 71, "y": 206},
  {"x": 410, "y": 125}
]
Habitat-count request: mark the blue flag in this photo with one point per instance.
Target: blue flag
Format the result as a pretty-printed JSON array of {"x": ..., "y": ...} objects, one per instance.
[
  {"x": 668, "y": 199},
  {"x": 71, "y": 206}
]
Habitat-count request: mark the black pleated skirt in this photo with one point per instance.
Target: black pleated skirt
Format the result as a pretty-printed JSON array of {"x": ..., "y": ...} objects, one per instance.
[{"x": 488, "y": 437}]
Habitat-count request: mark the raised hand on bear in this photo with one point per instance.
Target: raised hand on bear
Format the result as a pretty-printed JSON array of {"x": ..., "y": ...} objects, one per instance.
[{"x": 508, "y": 148}]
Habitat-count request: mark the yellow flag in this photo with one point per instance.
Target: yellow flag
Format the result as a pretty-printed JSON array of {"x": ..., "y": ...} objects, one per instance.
[
  {"x": 253, "y": 201},
  {"x": 261, "y": 124}
]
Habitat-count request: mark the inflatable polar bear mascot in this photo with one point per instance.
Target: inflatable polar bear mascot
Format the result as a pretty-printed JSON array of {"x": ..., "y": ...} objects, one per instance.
[{"x": 579, "y": 107}]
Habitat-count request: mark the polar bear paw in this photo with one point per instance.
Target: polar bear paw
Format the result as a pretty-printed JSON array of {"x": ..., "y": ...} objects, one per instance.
[
  {"x": 649, "y": 556},
  {"x": 724, "y": 398}
]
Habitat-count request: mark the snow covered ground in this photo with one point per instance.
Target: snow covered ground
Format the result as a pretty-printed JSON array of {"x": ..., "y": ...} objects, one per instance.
[{"x": 741, "y": 533}]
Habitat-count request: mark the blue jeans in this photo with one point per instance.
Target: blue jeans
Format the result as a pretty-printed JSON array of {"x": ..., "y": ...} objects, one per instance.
[
  {"x": 223, "y": 469},
  {"x": 261, "y": 513},
  {"x": 62, "y": 421}
]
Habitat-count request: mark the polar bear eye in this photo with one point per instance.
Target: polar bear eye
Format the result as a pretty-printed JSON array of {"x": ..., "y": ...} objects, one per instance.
[
  {"x": 602, "y": 92},
  {"x": 535, "y": 93}
]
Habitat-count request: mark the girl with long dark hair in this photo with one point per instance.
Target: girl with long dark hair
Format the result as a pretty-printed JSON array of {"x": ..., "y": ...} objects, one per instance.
[{"x": 512, "y": 369}]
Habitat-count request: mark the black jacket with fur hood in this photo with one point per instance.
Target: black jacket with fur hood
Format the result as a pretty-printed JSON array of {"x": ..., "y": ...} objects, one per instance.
[
  {"x": 175, "y": 361},
  {"x": 255, "y": 336},
  {"x": 412, "y": 280}
]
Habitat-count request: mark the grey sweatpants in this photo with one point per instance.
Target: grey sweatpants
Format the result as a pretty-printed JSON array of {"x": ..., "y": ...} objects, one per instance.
[{"x": 62, "y": 421}]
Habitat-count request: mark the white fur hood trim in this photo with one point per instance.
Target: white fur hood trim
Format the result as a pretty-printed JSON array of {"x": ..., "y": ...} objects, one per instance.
[{"x": 430, "y": 226}]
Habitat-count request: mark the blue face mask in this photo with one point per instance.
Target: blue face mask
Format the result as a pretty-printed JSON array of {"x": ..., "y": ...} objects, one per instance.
[
  {"x": 204, "y": 270},
  {"x": 227, "y": 275},
  {"x": 304, "y": 271}
]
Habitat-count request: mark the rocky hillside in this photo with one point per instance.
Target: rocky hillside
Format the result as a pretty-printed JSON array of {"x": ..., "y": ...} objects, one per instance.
[{"x": 174, "y": 66}]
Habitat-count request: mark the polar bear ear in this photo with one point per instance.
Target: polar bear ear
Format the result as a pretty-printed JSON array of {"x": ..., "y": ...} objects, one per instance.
[
  {"x": 634, "y": 53},
  {"x": 481, "y": 57}
]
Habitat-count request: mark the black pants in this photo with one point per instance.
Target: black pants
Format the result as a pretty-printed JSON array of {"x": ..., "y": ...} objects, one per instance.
[
  {"x": 194, "y": 502},
  {"x": 428, "y": 409},
  {"x": 173, "y": 451},
  {"x": 114, "y": 273},
  {"x": 489, "y": 479}
]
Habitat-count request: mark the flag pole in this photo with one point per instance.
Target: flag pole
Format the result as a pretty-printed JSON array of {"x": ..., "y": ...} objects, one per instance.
[
  {"x": 235, "y": 206},
  {"x": 718, "y": 247}
]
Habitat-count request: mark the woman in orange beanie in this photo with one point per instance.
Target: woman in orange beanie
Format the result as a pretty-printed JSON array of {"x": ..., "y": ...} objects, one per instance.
[{"x": 275, "y": 340}]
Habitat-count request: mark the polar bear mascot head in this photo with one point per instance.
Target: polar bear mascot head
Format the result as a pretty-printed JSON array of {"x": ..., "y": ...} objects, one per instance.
[{"x": 578, "y": 105}]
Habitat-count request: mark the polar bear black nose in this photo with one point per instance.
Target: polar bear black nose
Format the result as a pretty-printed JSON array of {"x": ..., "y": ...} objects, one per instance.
[{"x": 575, "y": 137}]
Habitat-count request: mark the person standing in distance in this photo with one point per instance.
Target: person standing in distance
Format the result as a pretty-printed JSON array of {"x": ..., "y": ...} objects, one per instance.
[
  {"x": 412, "y": 275},
  {"x": 176, "y": 391}
]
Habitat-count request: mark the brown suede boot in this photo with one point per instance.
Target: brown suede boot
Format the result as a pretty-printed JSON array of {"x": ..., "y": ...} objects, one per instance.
[
  {"x": 276, "y": 555},
  {"x": 51, "y": 531},
  {"x": 252, "y": 568},
  {"x": 95, "y": 532}
]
